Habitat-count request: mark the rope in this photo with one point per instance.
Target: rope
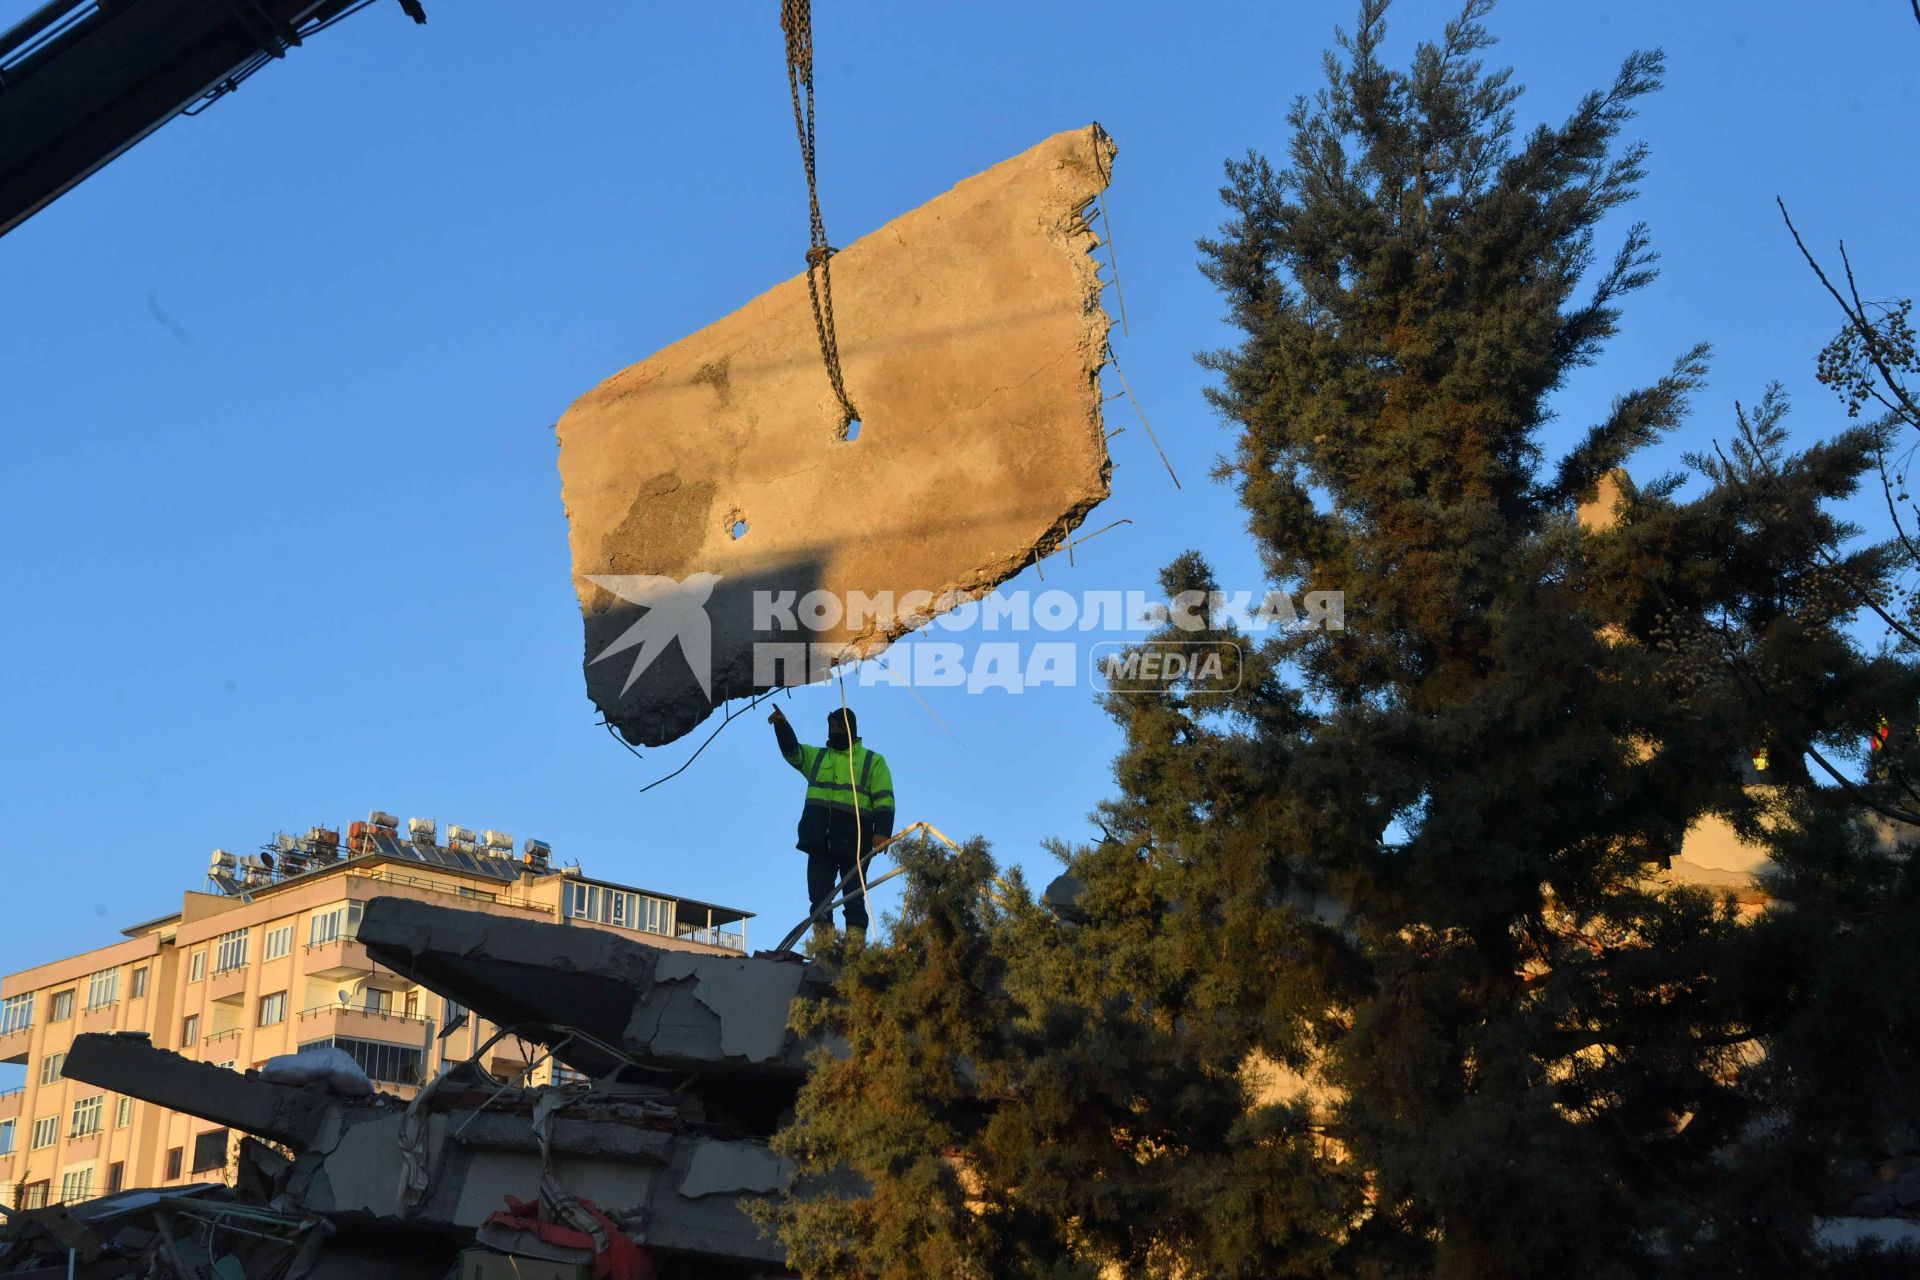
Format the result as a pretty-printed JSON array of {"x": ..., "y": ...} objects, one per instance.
[
  {"x": 796, "y": 20},
  {"x": 859, "y": 832}
]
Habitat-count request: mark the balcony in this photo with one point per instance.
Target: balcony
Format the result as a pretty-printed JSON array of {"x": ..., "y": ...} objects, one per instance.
[
  {"x": 341, "y": 958},
  {"x": 218, "y": 1046},
  {"x": 98, "y": 1017},
  {"x": 713, "y": 937},
  {"x": 356, "y": 1023},
  {"x": 14, "y": 1045},
  {"x": 10, "y": 1102},
  {"x": 82, "y": 1148},
  {"x": 228, "y": 986}
]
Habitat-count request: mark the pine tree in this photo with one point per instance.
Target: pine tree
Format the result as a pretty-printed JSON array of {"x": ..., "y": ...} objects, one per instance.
[{"x": 1375, "y": 972}]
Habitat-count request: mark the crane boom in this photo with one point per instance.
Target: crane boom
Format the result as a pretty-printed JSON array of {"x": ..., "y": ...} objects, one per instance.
[{"x": 83, "y": 80}]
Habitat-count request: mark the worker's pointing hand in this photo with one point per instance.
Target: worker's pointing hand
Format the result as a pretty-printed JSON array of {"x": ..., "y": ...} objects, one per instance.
[{"x": 777, "y": 717}]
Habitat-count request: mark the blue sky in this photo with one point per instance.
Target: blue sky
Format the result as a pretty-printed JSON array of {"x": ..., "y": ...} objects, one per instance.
[{"x": 283, "y": 531}]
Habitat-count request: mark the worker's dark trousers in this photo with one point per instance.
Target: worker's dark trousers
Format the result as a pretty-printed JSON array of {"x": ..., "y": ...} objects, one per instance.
[{"x": 825, "y": 871}]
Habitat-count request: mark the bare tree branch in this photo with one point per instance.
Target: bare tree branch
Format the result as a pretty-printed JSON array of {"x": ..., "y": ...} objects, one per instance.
[{"x": 1856, "y": 315}]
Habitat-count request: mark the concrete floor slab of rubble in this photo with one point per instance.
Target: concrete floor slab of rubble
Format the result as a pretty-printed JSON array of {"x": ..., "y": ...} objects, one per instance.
[
  {"x": 668, "y": 1008},
  {"x": 971, "y": 335},
  {"x": 129, "y": 1064},
  {"x": 686, "y": 1191}
]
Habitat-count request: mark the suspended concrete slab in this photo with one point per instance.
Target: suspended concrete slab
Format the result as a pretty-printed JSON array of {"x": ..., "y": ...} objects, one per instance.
[{"x": 720, "y": 470}]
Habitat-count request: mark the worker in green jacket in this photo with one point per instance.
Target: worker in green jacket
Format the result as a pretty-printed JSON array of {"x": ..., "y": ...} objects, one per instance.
[{"x": 849, "y": 809}]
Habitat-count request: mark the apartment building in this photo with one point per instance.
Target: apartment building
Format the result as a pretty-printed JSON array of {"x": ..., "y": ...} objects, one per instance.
[{"x": 264, "y": 962}]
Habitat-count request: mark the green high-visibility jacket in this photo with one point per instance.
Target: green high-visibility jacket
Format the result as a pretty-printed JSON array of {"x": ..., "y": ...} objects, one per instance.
[{"x": 827, "y": 821}]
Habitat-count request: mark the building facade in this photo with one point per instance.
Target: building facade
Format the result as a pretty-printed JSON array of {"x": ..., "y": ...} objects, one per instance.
[{"x": 266, "y": 963}]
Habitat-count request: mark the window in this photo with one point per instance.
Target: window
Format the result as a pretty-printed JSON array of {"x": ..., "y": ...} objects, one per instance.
[
  {"x": 377, "y": 1000},
  {"x": 273, "y": 1009},
  {"x": 279, "y": 942},
  {"x": 197, "y": 965},
  {"x": 617, "y": 907},
  {"x": 412, "y": 1006},
  {"x": 173, "y": 1162},
  {"x": 103, "y": 988},
  {"x": 210, "y": 1151},
  {"x": 52, "y": 1067},
  {"x": 61, "y": 1007},
  {"x": 76, "y": 1185},
  {"x": 16, "y": 1014},
  {"x": 116, "y": 1178},
  {"x": 230, "y": 952},
  {"x": 139, "y": 991},
  {"x": 391, "y": 1063},
  {"x": 6, "y": 1137},
  {"x": 46, "y": 1131},
  {"x": 86, "y": 1116},
  {"x": 335, "y": 925},
  {"x": 34, "y": 1195},
  {"x": 190, "y": 1031},
  {"x": 123, "y": 1113}
]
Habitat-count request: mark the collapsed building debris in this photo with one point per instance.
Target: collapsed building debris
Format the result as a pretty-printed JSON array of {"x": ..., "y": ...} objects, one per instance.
[
  {"x": 674, "y": 1008},
  {"x": 971, "y": 335},
  {"x": 95, "y": 1240},
  {"x": 656, "y": 1153}
]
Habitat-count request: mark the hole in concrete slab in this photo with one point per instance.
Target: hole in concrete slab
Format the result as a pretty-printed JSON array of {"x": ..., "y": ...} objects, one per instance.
[
  {"x": 853, "y": 430},
  {"x": 739, "y": 528}
]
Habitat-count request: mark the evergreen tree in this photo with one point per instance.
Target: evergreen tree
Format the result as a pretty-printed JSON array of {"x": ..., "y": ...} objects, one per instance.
[{"x": 1375, "y": 972}]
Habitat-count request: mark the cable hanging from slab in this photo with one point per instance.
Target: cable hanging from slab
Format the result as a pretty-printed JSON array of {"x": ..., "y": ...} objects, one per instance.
[
  {"x": 732, "y": 714},
  {"x": 1128, "y": 391}
]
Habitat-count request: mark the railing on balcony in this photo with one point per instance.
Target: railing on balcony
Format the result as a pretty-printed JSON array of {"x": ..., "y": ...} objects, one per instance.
[
  {"x": 505, "y": 899},
  {"x": 715, "y": 938},
  {"x": 393, "y": 1015},
  {"x": 215, "y": 1037}
]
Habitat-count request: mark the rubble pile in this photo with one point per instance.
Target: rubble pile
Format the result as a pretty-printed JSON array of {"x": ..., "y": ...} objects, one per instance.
[{"x": 649, "y": 1162}]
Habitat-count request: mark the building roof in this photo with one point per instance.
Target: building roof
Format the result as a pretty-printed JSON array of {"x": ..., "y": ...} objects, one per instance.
[
  {"x": 381, "y": 845},
  {"x": 148, "y": 926}
]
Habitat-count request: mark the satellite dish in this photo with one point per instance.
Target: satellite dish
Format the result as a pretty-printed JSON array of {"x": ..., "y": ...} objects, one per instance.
[{"x": 344, "y": 997}]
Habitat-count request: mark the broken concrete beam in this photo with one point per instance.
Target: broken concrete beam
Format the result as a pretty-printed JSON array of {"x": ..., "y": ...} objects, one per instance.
[
  {"x": 670, "y": 1008},
  {"x": 719, "y": 469},
  {"x": 130, "y": 1064}
]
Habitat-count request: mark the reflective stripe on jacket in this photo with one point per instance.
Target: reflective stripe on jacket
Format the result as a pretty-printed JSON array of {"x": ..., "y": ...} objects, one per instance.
[{"x": 827, "y": 819}]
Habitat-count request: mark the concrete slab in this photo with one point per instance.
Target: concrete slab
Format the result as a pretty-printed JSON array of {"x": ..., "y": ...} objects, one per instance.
[
  {"x": 971, "y": 336},
  {"x": 672, "y": 1008},
  {"x": 130, "y": 1064}
]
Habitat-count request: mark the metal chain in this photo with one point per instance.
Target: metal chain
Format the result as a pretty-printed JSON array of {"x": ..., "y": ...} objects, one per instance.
[{"x": 796, "y": 19}]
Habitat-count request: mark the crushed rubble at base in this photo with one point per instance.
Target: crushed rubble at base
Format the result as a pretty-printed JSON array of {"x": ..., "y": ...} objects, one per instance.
[{"x": 650, "y": 1164}]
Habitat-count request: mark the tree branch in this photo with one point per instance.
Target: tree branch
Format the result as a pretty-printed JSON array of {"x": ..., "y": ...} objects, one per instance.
[{"x": 1856, "y": 315}]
